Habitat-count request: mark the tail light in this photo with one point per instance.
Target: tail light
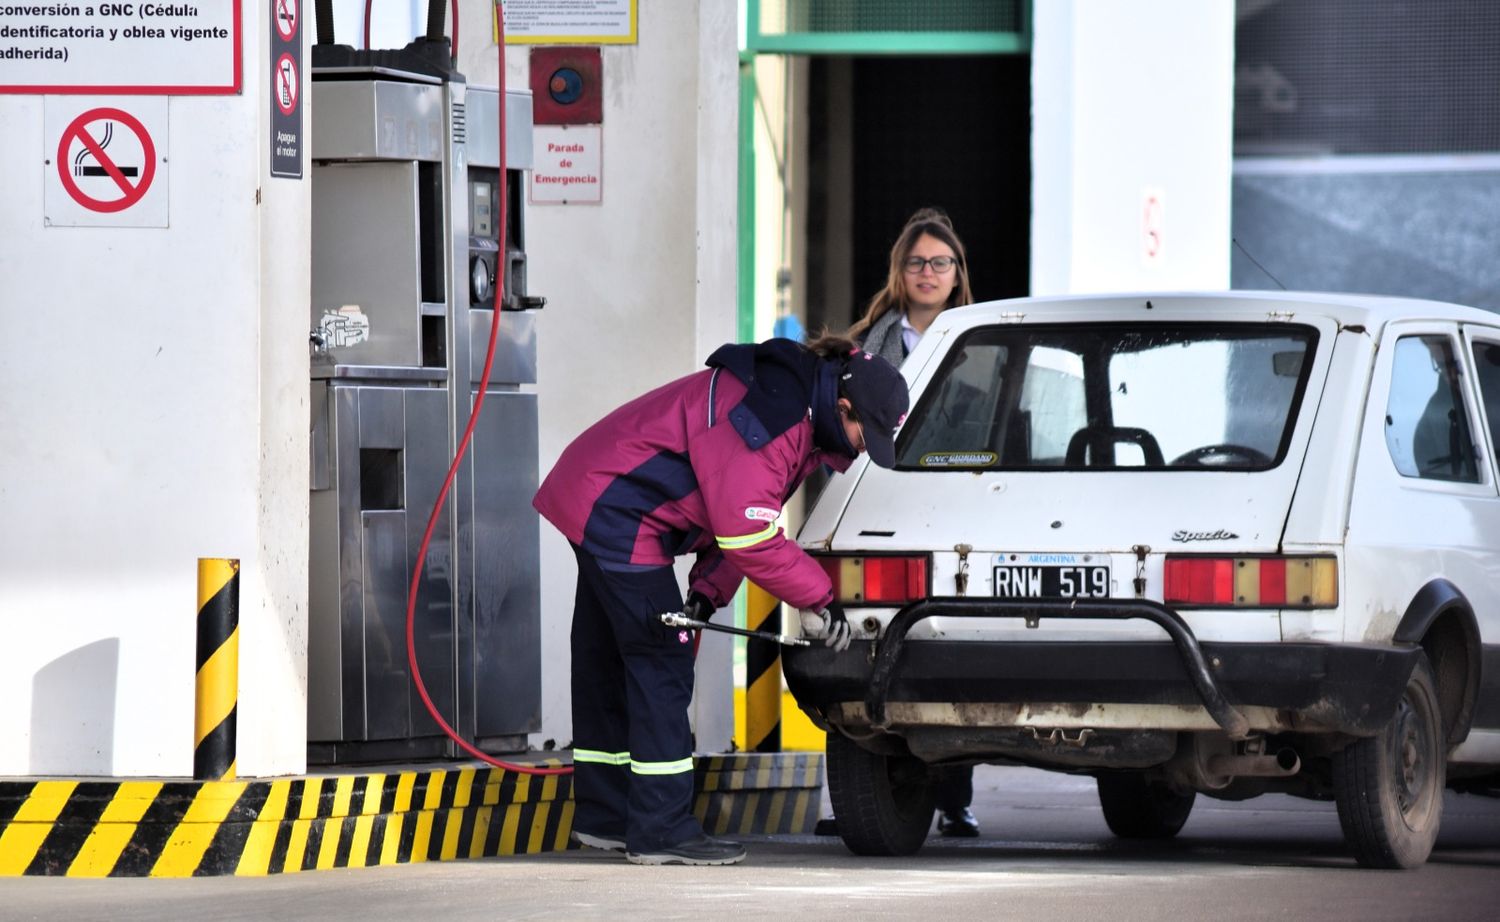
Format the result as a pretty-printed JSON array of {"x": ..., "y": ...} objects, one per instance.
[
  {"x": 1252, "y": 582},
  {"x": 884, "y": 580}
]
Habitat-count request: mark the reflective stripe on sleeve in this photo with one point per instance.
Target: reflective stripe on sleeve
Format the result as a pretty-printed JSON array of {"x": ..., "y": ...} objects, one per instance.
[
  {"x": 601, "y": 758},
  {"x": 662, "y": 768},
  {"x": 740, "y": 542}
]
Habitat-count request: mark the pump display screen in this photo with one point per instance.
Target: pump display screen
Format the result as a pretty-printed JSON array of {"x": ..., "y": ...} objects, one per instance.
[{"x": 481, "y": 208}]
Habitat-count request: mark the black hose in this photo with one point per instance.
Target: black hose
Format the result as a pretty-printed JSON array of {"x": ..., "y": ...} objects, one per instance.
[
  {"x": 435, "y": 20},
  {"x": 323, "y": 11}
]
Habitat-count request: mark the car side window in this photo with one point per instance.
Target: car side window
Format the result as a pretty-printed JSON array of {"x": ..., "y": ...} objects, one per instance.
[
  {"x": 1426, "y": 421},
  {"x": 963, "y": 415},
  {"x": 1487, "y": 375}
]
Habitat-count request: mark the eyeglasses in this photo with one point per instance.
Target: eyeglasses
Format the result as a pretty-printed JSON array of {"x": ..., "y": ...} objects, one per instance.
[{"x": 940, "y": 264}]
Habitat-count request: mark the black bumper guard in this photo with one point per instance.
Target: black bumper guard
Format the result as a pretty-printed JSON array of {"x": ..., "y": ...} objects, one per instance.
[{"x": 888, "y": 648}]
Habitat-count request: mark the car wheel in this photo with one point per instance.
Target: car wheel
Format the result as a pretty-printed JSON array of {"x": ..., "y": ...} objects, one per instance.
[
  {"x": 1136, "y": 808},
  {"x": 1389, "y": 787},
  {"x": 883, "y": 804}
]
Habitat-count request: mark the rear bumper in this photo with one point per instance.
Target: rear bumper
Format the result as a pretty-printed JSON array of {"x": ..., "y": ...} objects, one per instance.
[{"x": 1347, "y": 688}]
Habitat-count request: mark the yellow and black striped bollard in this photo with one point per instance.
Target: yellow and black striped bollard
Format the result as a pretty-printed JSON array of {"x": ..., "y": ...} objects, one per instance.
[
  {"x": 218, "y": 669},
  {"x": 762, "y": 673}
]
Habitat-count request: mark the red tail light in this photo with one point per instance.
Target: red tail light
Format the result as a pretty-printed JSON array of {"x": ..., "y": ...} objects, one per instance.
[
  {"x": 885, "y": 580},
  {"x": 1252, "y": 582},
  {"x": 1200, "y": 580}
]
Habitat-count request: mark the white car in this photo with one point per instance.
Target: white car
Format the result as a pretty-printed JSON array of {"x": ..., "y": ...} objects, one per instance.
[{"x": 1228, "y": 543}]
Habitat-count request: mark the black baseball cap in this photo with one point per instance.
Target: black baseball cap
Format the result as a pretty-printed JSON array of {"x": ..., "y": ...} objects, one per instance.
[{"x": 878, "y": 394}]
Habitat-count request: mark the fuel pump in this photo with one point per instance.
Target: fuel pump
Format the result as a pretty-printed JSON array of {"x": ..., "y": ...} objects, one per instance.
[{"x": 406, "y": 257}]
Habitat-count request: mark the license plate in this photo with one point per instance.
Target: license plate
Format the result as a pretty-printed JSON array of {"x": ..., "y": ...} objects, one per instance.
[{"x": 1034, "y": 576}]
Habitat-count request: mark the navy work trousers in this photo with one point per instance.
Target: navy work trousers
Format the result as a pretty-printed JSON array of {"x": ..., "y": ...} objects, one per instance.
[
  {"x": 955, "y": 787},
  {"x": 632, "y": 681}
]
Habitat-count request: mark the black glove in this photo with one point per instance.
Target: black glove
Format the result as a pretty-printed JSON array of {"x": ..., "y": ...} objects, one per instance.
[{"x": 698, "y": 607}]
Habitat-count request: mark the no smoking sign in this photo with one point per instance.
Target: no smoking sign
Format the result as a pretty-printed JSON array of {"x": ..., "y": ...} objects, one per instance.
[{"x": 106, "y": 162}]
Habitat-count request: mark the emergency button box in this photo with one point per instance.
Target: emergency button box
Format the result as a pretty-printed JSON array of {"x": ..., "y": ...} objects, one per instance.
[{"x": 567, "y": 84}]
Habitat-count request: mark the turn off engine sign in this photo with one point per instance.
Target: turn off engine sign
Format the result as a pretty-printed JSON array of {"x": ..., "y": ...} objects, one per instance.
[{"x": 135, "y": 48}]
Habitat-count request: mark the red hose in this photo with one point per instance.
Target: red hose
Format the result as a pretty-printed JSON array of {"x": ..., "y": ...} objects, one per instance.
[
  {"x": 463, "y": 446},
  {"x": 502, "y": 98}
]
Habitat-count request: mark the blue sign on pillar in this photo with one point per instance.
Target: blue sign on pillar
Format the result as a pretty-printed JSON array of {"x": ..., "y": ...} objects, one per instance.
[{"x": 286, "y": 88}]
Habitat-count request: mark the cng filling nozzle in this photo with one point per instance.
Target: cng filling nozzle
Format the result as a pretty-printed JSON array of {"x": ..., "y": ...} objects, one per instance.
[{"x": 678, "y": 619}]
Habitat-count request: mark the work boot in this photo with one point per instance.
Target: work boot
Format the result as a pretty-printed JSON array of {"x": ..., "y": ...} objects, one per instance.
[
  {"x": 957, "y": 824},
  {"x": 697, "y": 850},
  {"x": 608, "y": 843}
]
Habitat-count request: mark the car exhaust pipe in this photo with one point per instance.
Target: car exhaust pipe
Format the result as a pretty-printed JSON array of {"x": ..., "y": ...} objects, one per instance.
[{"x": 1283, "y": 764}]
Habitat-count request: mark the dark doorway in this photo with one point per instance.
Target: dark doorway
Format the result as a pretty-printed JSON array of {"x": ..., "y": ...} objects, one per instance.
[{"x": 889, "y": 135}]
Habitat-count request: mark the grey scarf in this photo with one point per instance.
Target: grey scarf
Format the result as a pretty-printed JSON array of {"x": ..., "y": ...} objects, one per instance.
[{"x": 884, "y": 338}]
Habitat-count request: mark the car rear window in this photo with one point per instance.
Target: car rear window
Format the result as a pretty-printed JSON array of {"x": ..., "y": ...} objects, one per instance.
[{"x": 1112, "y": 396}]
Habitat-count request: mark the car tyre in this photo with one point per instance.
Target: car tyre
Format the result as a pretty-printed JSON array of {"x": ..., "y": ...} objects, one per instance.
[
  {"x": 1389, "y": 787},
  {"x": 1136, "y": 808},
  {"x": 883, "y": 803}
]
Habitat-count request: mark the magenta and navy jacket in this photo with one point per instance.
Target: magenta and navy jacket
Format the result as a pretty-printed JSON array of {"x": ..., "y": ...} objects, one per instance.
[{"x": 703, "y": 465}]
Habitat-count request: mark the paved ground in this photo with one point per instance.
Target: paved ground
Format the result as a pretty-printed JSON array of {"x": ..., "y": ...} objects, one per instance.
[{"x": 1045, "y": 853}]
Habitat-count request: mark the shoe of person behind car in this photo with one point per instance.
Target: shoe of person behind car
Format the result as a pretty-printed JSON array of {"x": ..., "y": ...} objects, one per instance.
[
  {"x": 827, "y": 826},
  {"x": 698, "y": 850},
  {"x": 957, "y": 824}
]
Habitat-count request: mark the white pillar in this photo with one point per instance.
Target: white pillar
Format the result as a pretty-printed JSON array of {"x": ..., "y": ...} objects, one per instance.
[
  {"x": 640, "y": 287},
  {"x": 153, "y": 410},
  {"x": 1131, "y": 149}
]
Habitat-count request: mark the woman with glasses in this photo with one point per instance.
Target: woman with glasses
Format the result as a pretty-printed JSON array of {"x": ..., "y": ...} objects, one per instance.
[{"x": 929, "y": 273}]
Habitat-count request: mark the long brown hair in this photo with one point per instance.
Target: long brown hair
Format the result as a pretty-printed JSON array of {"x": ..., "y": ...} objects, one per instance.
[{"x": 935, "y": 223}]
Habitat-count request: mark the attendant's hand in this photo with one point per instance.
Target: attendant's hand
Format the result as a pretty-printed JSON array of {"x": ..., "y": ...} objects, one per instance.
[{"x": 830, "y": 624}]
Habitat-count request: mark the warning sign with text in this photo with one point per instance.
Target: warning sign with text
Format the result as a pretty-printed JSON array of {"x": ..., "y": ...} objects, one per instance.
[
  {"x": 569, "y": 21},
  {"x": 568, "y": 165},
  {"x": 127, "y": 48}
]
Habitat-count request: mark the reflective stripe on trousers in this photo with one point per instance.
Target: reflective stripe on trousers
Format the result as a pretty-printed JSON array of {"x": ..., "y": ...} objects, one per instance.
[
  {"x": 639, "y": 768},
  {"x": 662, "y": 768},
  {"x": 601, "y": 758}
]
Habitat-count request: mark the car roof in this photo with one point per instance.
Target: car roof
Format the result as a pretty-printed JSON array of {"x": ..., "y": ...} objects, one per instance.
[{"x": 1370, "y": 311}]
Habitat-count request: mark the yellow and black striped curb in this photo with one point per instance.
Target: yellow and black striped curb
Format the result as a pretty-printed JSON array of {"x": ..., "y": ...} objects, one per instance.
[
  {"x": 112, "y": 828},
  {"x": 248, "y": 828},
  {"x": 759, "y": 793}
]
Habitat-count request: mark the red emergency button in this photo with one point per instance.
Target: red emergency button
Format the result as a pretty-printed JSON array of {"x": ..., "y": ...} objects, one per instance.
[{"x": 565, "y": 86}]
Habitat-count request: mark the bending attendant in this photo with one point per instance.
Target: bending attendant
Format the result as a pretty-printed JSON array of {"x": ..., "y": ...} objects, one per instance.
[{"x": 701, "y": 466}]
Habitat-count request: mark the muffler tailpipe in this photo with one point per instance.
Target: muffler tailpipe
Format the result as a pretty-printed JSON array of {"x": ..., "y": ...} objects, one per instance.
[{"x": 1283, "y": 764}]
